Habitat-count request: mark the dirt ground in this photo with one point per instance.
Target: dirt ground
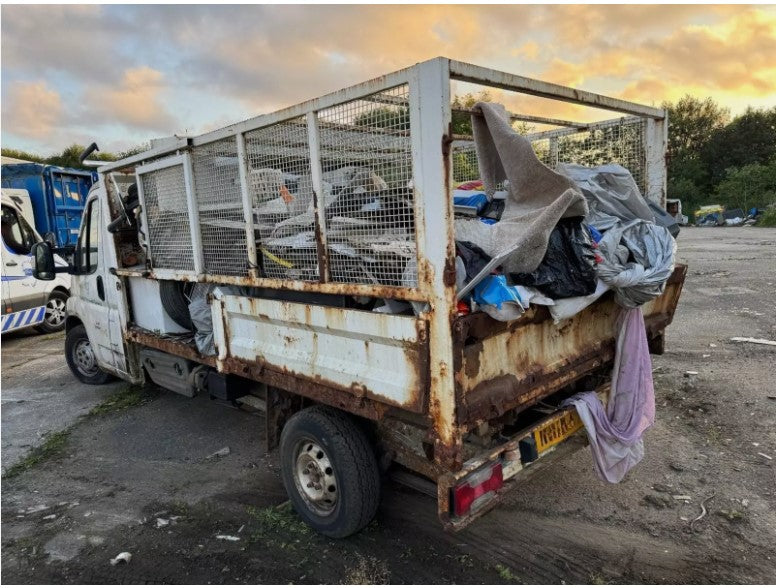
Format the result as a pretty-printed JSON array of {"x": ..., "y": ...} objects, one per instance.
[{"x": 134, "y": 475}]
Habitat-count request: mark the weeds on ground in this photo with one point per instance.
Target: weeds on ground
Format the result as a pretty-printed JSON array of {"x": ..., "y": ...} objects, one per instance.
[
  {"x": 127, "y": 397},
  {"x": 768, "y": 219},
  {"x": 506, "y": 574},
  {"x": 368, "y": 570},
  {"x": 279, "y": 518},
  {"x": 53, "y": 445}
]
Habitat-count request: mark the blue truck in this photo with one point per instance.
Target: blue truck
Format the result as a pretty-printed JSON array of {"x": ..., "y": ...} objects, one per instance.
[{"x": 57, "y": 195}]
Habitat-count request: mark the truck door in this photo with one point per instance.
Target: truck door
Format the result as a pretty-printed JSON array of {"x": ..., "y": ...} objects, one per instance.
[
  {"x": 21, "y": 290},
  {"x": 7, "y": 309},
  {"x": 95, "y": 295}
]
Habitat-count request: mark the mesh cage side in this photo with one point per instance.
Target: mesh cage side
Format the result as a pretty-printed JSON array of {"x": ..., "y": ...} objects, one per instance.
[
  {"x": 168, "y": 218},
  {"x": 219, "y": 201},
  {"x": 620, "y": 141},
  {"x": 281, "y": 188},
  {"x": 366, "y": 160}
]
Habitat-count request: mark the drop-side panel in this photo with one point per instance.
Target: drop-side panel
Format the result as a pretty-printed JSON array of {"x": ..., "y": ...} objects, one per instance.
[
  {"x": 365, "y": 354},
  {"x": 513, "y": 365}
]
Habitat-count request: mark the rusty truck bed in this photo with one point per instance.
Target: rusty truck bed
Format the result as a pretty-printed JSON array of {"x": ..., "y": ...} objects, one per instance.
[{"x": 507, "y": 366}]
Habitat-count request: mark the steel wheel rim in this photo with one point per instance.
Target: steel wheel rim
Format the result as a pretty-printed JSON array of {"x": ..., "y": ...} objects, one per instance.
[
  {"x": 314, "y": 478},
  {"x": 84, "y": 358},
  {"x": 55, "y": 312}
]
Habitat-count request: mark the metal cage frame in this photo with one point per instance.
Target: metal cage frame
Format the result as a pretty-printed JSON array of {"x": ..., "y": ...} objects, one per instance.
[{"x": 431, "y": 139}]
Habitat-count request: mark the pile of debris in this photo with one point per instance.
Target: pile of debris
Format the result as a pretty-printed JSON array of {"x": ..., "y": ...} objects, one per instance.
[
  {"x": 369, "y": 227},
  {"x": 559, "y": 238}
]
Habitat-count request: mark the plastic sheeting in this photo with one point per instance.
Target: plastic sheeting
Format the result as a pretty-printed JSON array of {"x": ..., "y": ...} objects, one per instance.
[
  {"x": 202, "y": 319},
  {"x": 498, "y": 299},
  {"x": 202, "y": 315},
  {"x": 638, "y": 259},
  {"x": 615, "y": 432},
  {"x": 569, "y": 264},
  {"x": 611, "y": 194}
]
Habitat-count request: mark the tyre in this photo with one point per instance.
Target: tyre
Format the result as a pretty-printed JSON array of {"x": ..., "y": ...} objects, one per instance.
[
  {"x": 81, "y": 359},
  {"x": 175, "y": 301},
  {"x": 54, "y": 319},
  {"x": 330, "y": 471}
]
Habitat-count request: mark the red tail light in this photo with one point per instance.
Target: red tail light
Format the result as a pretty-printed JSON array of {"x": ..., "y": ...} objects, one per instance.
[{"x": 479, "y": 484}]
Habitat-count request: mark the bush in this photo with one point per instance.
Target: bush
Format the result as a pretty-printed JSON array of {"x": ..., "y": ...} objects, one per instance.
[{"x": 768, "y": 219}]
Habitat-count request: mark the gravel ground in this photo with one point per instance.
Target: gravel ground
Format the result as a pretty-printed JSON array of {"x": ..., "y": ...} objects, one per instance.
[{"x": 136, "y": 476}]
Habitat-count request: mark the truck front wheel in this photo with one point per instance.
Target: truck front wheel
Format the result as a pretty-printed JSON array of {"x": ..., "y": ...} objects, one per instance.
[
  {"x": 330, "y": 471},
  {"x": 81, "y": 359}
]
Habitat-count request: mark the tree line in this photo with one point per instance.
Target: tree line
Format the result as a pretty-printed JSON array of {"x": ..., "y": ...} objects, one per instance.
[
  {"x": 713, "y": 158},
  {"x": 716, "y": 159},
  {"x": 69, "y": 156}
]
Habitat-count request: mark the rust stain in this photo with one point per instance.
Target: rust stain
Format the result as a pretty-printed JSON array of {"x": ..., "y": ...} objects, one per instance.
[
  {"x": 321, "y": 248},
  {"x": 371, "y": 290},
  {"x": 509, "y": 366},
  {"x": 173, "y": 347}
]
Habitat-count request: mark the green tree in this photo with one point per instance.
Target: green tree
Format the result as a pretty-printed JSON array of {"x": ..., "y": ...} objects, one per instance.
[
  {"x": 691, "y": 124},
  {"x": 69, "y": 156},
  {"x": 748, "y": 186},
  {"x": 19, "y": 154},
  {"x": 462, "y": 121},
  {"x": 749, "y": 138},
  {"x": 385, "y": 117}
]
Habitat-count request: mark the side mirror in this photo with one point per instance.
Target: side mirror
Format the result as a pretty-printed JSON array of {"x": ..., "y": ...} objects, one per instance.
[
  {"x": 44, "y": 261},
  {"x": 51, "y": 239}
]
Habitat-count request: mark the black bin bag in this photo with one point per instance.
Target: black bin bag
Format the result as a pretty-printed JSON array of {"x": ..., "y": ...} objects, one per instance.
[{"x": 569, "y": 267}]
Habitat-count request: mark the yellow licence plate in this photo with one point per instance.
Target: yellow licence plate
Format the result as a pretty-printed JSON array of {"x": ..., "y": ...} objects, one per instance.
[{"x": 557, "y": 430}]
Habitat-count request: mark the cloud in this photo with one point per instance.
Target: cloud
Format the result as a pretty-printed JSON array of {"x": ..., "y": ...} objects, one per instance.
[
  {"x": 136, "y": 101},
  {"x": 145, "y": 69},
  {"x": 32, "y": 109}
]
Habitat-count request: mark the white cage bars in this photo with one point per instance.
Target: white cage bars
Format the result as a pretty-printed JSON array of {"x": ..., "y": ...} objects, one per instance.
[{"x": 350, "y": 192}]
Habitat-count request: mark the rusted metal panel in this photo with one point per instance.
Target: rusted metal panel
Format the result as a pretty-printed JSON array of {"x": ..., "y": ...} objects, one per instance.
[
  {"x": 508, "y": 366},
  {"x": 467, "y": 72},
  {"x": 430, "y": 121},
  {"x": 378, "y": 356},
  {"x": 371, "y": 290},
  {"x": 447, "y": 482},
  {"x": 169, "y": 345}
]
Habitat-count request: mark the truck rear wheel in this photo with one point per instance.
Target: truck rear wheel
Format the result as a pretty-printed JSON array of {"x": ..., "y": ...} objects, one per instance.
[
  {"x": 81, "y": 359},
  {"x": 330, "y": 471}
]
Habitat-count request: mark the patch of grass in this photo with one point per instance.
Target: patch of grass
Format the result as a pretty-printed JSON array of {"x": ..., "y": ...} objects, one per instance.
[
  {"x": 506, "y": 574},
  {"x": 768, "y": 219},
  {"x": 127, "y": 397},
  {"x": 53, "y": 445},
  {"x": 367, "y": 570},
  {"x": 731, "y": 515},
  {"x": 279, "y": 518}
]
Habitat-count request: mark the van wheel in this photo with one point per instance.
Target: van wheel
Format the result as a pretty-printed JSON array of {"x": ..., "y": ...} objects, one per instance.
[
  {"x": 81, "y": 359},
  {"x": 330, "y": 471},
  {"x": 54, "y": 319}
]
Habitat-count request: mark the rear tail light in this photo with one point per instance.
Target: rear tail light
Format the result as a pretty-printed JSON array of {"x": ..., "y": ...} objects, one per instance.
[{"x": 476, "y": 486}]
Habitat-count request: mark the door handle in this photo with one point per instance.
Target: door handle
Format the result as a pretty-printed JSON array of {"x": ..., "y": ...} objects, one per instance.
[
  {"x": 100, "y": 288},
  {"x": 11, "y": 264}
]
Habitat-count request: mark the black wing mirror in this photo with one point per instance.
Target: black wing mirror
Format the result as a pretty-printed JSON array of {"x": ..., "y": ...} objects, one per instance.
[
  {"x": 43, "y": 255},
  {"x": 51, "y": 239}
]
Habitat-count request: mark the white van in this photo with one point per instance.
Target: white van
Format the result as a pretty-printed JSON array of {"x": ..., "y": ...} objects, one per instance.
[{"x": 27, "y": 301}]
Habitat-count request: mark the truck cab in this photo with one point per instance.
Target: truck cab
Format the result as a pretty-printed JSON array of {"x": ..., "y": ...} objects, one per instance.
[{"x": 27, "y": 301}]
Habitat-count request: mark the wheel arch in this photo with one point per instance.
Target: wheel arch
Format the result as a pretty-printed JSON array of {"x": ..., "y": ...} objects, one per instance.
[{"x": 72, "y": 322}]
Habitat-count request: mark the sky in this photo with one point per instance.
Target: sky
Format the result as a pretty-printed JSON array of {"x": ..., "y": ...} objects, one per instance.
[{"x": 121, "y": 75}]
